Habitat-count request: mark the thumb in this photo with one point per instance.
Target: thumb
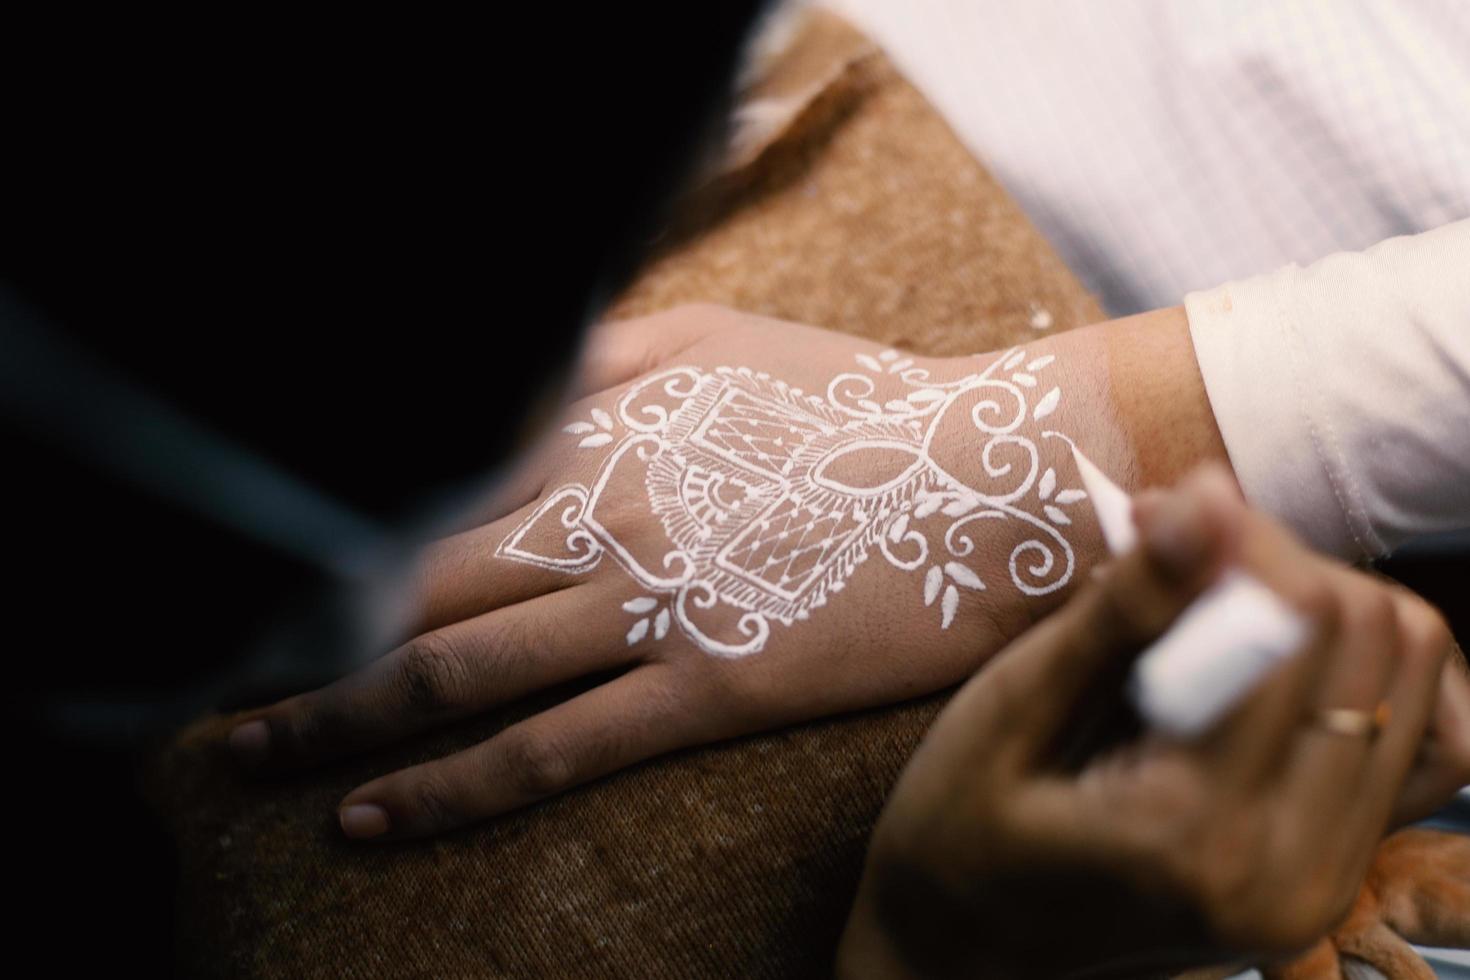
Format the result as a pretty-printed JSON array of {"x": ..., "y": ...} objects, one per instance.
[{"x": 1186, "y": 536}]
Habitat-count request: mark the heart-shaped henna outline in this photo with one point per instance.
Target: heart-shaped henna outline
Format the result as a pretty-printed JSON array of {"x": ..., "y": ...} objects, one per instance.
[{"x": 585, "y": 549}]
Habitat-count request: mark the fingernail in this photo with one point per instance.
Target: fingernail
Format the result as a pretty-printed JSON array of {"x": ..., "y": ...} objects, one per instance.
[
  {"x": 363, "y": 821},
  {"x": 1173, "y": 531},
  {"x": 251, "y": 742}
]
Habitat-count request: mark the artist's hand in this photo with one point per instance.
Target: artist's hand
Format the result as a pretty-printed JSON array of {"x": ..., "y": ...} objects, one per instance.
[
  {"x": 996, "y": 858},
  {"x": 761, "y": 522}
]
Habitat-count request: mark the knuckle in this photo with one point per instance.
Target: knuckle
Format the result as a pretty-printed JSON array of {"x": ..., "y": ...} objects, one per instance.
[
  {"x": 537, "y": 766},
  {"x": 431, "y": 674},
  {"x": 1426, "y": 635},
  {"x": 1317, "y": 600},
  {"x": 509, "y": 645},
  {"x": 1371, "y": 607},
  {"x": 1362, "y": 605},
  {"x": 714, "y": 697},
  {"x": 300, "y": 726},
  {"x": 1383, "y": 607},
  {"x": 429, "y": 800},
  {"x": 1188, "y": 804}
]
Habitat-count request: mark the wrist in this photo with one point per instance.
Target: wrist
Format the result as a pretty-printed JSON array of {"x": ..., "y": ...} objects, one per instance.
[{"x": 1156, "y": 387}]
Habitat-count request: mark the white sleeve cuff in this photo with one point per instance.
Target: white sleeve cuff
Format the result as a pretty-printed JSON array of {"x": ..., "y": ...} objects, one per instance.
[{"x": 1342, "y": 389}]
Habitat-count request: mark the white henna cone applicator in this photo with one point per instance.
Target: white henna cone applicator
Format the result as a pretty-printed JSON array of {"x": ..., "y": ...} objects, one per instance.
[{"x": 1216, "y": 650}]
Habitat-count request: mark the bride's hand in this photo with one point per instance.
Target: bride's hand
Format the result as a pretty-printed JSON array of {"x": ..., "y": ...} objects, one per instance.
[{"x": 757, "y": 523}]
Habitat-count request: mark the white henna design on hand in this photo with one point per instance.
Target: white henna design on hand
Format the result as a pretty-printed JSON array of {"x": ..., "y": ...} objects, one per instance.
[{"x": 742, "y": 471}]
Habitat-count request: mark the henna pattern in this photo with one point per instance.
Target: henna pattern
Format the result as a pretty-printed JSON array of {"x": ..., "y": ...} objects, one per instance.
[{"x": 743, "y": 472}]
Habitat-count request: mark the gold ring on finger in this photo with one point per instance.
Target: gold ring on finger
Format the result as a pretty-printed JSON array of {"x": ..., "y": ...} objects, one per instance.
[{"x": 1353, "y": 722}]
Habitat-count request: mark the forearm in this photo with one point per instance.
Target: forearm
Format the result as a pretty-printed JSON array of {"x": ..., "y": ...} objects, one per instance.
[
  {"x": 1127, "y": 393},
  {"x": 1155, "y": 384},
  {"x": 1143, "y": 412}
]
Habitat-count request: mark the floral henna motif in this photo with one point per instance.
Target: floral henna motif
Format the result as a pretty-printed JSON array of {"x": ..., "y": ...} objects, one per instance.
[{"x": 752, "y": 481}]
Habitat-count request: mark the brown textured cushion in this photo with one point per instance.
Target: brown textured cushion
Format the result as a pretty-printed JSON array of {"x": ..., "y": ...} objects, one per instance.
[{"x": 846, "y": 203}]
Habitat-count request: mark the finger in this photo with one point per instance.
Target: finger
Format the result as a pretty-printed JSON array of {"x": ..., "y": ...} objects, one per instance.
[
  {"x": 476, "y": 571},
  {"x": 601, "y": 731},
  {"x": 1411, "y": 700},
  {"x": 433, "y": 679},
  {"x": 1046, "y": 673},
  {"x": 1324, "y": 775},
  {"x": 1442, "y": 766},
  {"x": 1253, "y": 742},
  {"x": 1203, "y": 512},
  {"x": 617, "y": 351},
  {"x": 1247, "y": 748},
  {"x": 1250, "y": 744}
]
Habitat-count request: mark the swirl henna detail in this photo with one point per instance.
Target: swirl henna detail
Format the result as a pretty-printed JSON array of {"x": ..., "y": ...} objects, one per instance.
[{"x": 743, "y": 473}]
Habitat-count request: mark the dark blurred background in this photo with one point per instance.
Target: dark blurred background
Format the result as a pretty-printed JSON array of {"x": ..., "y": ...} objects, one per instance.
[{"x": 264, "y": 278}]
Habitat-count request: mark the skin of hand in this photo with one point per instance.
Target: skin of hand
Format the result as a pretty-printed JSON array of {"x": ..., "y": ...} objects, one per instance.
[
  {"x": 1152, "y": 855},
  {"x": 1442, "y": 766},
  {"x": 492, "y": 630}
]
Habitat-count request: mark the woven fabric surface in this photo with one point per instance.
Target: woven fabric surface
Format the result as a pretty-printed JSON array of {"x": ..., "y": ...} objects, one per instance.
[{"x": 845, "y": 203}]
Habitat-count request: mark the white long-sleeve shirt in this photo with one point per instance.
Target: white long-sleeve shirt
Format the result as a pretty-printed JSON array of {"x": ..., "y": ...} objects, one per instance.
[
  {"x": 1342, "y": 389},
  {"x": 1167, "y": 147}
]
